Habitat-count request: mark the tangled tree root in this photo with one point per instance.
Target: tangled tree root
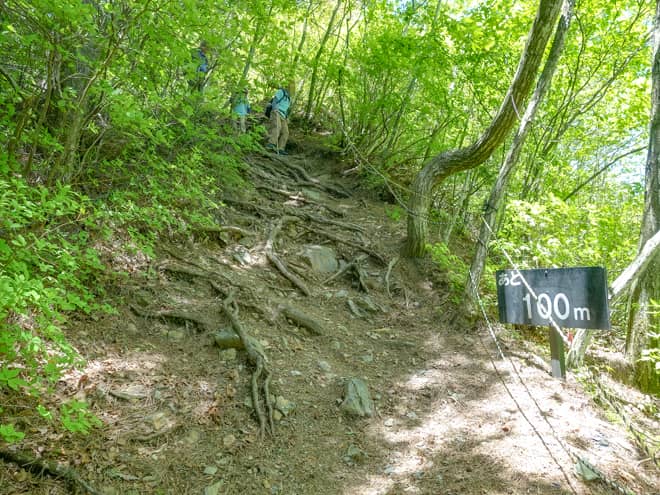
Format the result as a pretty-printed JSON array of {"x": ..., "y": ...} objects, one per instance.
[
  {"x": 41, "y": 467},
  {"x": 257, "y": 358}
]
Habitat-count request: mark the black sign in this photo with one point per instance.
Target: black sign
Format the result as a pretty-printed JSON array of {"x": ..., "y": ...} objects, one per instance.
[{"x": 571, "y": 297}]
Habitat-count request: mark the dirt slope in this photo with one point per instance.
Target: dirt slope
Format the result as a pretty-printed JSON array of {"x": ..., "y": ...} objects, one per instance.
[{"x": 451, "y": 417}]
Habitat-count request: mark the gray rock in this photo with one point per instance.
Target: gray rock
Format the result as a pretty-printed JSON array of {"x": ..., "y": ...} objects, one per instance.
[
  {"x": 210, "y": 470},
  {"x": 228, "y": 355},
  {"x": 354, "y": 455},
  {"x": 214, "y": 489},
  {"x": 357, "y": 401},
  {"x": 312, "y": 194},
  {"x": 322, "y": 259},
  {"x": 284, "y": 406},
  {"x": 366, "y": 303},
  {"x": 324, "y": 366}
]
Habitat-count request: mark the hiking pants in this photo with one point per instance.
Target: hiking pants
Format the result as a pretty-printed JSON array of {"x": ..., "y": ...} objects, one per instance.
[
  {"x": 240, "y": 123},
  {"x": 278, "y": 130}
]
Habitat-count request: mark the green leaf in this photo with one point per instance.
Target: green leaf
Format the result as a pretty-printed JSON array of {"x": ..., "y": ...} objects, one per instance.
[{"x": 9, "y": 434}]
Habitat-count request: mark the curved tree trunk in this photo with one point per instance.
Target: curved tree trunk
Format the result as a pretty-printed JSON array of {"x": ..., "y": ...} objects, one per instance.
[
  {"x": 454, "y": 161},
  {"x": 495, "y": 204}
]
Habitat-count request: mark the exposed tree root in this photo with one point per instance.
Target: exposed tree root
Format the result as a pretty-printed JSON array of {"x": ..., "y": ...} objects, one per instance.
[
  {"x": 271, "y": 213},
  {"x": 302, "y": 319},
  {"x": 387, "y": 275},
  {"x": 177, "y": 268},
  {"x": 334, "y": 190},
  {"x": 279, "y": 264},
  {"x": 297, "y": 196},
  {"x": 329, "y": 221},
  {"x": 356, "y": 267},
  {"x": 257, "y": 358},
  {"x": 41, "y": 467},
  {"x": 361, "y": 247},
  {"x": 174, "y": 314}
]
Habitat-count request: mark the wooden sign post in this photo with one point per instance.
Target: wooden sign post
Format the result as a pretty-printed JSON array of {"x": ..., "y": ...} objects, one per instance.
[
  {"x": 558, "y": 297},
  {"x": 557, "y": 359}
]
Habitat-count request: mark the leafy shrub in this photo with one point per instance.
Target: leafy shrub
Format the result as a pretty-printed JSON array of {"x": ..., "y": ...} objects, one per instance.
[
  {"x": 46, "y": 270},
  {"x": 456, "y": 269}
]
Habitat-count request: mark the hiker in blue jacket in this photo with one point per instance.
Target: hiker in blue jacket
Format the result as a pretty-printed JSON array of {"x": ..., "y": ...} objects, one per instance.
[
  {"x": 199, "y": 57},
  {"x": 240, "y": 109},
  {"x": 278, "y": 128}
]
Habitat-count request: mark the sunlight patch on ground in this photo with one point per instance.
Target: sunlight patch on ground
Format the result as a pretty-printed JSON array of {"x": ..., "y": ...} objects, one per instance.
[
  {"x": 135, "y": 361},
  {"x": 485, "y": 426}
]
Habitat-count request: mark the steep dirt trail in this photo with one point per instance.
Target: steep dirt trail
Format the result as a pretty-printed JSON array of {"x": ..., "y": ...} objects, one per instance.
[{"x": 451, "y": 417}]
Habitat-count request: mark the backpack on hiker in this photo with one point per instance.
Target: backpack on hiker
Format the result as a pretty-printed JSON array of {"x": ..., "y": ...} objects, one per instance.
[{"x": 273, "y": 101}]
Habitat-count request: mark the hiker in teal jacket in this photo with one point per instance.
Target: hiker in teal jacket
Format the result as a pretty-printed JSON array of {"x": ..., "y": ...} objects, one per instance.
[
  {"x": 278, "y": 128},
  {"x": 240, "y": 109}
]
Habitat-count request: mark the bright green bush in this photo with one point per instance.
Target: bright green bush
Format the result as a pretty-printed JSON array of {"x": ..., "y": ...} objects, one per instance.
[
  {"x": 452, "y": 266},
  {"x": 46, "y": 269}
]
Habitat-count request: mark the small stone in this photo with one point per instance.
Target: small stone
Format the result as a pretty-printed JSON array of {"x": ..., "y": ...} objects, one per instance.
[
  {"x": 284, "y": 406},
  {"x": 158, "y": 420},
  {"x": 228, "y": 355},
  {"x": 132, "y": 392},
  {"x": 210, "y": 470},
  {"x": 357, "y": 401},
  {"x": 367, "y": 358},
  {"x": 266, "y": 484},
  {"x": 324, "y": 366},
  {"x": 192, "y": 437},
  {"x": 229, "y": 440},
  {"x": 277, "y": 416},
  {"x": 389, "y": 422},
  {"x": 295, "y": 373},
  {"x": 214, "y": 489},
  {"x": 176, "y": 334},
  {"x": 355, "y": 455}
]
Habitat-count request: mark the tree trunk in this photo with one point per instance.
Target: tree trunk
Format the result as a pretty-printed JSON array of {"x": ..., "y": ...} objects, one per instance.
[
  {"x": 317, "y": 59},
  {"x": 259, "y": 33},
  {"x": 453, "y": 161},
  {"x": 643, "y": 322},
  {"x": 633, "y": 271},
  {"x": 495, "y": 204}
]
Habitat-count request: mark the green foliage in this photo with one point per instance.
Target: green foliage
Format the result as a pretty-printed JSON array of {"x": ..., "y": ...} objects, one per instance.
[
  {"x": 455, "y": 269},
  {"x": 76, "y": 417},
  {"x": 9, "y": 434},
  {"x": 556, "y": 233},
  {"x": 46, "y": 270},
  {"x": 394, "y": 213},
  {"x": 651, "y": 354}
]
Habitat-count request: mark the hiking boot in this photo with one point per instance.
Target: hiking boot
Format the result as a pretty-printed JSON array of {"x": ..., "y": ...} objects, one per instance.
[
  {"x": 282, "y": 152},
  {"x": 271, "y": 147}
]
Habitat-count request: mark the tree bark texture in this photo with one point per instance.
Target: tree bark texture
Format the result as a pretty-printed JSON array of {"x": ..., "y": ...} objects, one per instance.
[
  {"x": 642, "y": 320},
  {"x": 454, "y": 161}
]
